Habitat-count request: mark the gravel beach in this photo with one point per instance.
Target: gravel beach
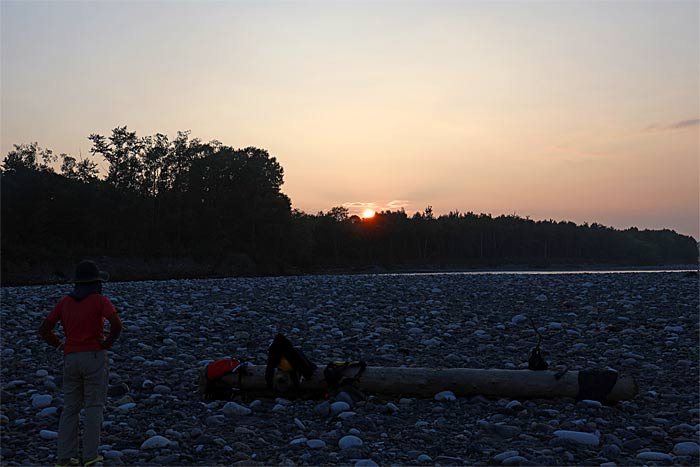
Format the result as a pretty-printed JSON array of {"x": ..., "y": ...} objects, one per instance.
[{"x": 643, "y": 324}]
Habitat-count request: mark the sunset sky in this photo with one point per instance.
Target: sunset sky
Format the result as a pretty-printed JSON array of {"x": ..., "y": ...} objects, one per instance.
[{"x": 572, "y": 111}]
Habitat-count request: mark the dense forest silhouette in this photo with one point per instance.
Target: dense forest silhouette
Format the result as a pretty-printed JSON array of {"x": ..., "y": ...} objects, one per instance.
[{"x": 223, "y": 209}]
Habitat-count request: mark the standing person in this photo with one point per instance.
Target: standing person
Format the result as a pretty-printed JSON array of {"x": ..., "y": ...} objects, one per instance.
[{"x": 82, "y": 314}]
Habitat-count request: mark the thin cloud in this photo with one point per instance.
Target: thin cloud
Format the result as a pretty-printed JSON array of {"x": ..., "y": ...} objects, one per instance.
[
  {"x": 397, "y": 204},
  {"x": 359, "y": 205},
  {"x": 682, "y": 125},
  {"x": 685, "y": 124}
]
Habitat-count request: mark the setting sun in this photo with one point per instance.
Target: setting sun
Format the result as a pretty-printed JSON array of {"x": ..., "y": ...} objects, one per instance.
[{"x": 367, "y": 213}]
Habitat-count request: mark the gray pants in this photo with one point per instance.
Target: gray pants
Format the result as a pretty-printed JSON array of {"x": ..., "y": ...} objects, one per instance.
[{"x": 85, "y": 376}]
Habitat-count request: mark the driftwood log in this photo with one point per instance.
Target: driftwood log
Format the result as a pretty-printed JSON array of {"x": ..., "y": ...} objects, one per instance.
[{"x": 605, "y": 386}]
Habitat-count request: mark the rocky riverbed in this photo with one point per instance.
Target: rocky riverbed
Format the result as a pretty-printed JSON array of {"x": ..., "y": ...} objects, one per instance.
[{"x": 642, "y": 324}]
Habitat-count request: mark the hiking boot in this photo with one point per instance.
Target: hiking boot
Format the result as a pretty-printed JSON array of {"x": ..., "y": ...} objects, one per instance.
[
  {"x": 68, "y": 462},
  {"x": 96, "y": 461}
]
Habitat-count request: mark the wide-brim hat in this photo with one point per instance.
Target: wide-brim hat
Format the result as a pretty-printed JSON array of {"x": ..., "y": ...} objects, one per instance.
[{"x": 87, "y": 271}]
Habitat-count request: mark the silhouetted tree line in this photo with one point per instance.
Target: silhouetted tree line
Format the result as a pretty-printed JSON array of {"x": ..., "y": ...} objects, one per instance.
[{"x": 183, "y": 198}]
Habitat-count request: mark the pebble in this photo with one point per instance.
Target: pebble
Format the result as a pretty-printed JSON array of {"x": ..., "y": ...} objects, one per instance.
[
  {"x": 515, "y": 405},
  {"x": 112, "y": 454},
  {"x": 365, "y": 463},
  {"x": 338, "y": 407},
  {"x": 655, "y": 456},
  {"x": 162, "y": 389},
  {"x": 48, "y": 411},
  {"x": 316, "y": 444},
  {"x": 591, "y": 403},
  {"x": 40, "y": 401},
  {"x": 517, "y": 319},
  {"x": 349, "y": 441},
  {"x": 299, "y": 424},
  {"x": 424, "y": 459},
  {"x": 445, "y": 396},
  {"x": 391, "y": 407},
  {"x": 155, "y": 442},
  {"x": 48, "y": 434},
  {"x": 610, "y": 451},
  {"x": 515, "y": 460},
  {"x": 505, "y": 455},
  {"x": 232, "y": 408},
  {"x": 578, "y": 437},
  {"x": 323, "y": 409}
]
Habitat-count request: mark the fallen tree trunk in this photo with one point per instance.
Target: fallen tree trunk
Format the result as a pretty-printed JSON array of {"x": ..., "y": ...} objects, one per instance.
[{"x": 601, "y": 385}]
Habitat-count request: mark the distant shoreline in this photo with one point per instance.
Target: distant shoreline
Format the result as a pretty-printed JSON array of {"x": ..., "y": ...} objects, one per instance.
[{"x": 131, "y": 271}]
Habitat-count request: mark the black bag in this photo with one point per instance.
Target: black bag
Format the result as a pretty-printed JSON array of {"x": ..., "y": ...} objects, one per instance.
[{"x": 282, "y": 354}]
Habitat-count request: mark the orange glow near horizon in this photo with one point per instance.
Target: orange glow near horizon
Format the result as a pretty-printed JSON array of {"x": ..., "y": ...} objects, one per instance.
[{"x": 367, "y": 214}]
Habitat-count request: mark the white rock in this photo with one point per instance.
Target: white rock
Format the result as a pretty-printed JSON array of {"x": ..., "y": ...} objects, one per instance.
[
  {"x": 297, "y": 441},
  {"x": 688, "y": 448},
  {"x": 41, "y": 373},
  {"x": 278, "y": 408},
  {"x": 231, "y": 408},
  {"x": 349, "y": 441},
  {"x": 346, "y": 415},
  {"x": 541, "y": 298},
  {"x": 447, "y": 396},
  {"x": 47, "y": 434},
  {"x": 578, "y": 436},
  {"x": 655, "y": 456},
  {"x": 155, "y": 442},
  {"x": 338, "y": 407},
  {"x": 674, "y": 329},
  {"x": 366, "y": 463},
  {"x": 424, "y": 459},
  {"x": 39, "y": 401},
  {"x": 316, "y": 444},
  {"x": 126, "y": 407}
]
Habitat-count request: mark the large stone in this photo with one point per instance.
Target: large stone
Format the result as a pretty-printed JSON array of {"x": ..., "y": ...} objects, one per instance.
[{"x": 687, "y": 448}]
